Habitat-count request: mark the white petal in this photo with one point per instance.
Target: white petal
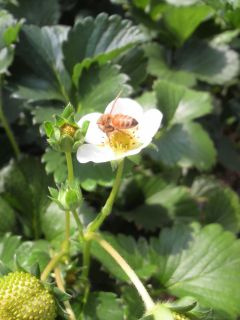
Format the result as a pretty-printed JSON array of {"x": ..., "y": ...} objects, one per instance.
[
  {"x": 150, "y": 124},
  {"x": 134, "y": 151},
  {"x": 125, "y": 106},
  {"x": 97, "y": 154},
  {"x": 94, "y": 134}
]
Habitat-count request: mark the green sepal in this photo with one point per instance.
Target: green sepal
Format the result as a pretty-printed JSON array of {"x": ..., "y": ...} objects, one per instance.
[
  {"x": 76, "y": 146},
  {"x": 63, "y": 132},
  {"x": 48, "y": 127},
  {"x": 60, "y": 121},
  {"x": 85, "y": 126},
  {"x": 182, "y": 305},
  {"x": 35, "y": 270},
  {"x": 68, "y": 111},
  {"x": 56, "y": 133},
  {"x": 60, "y": 311},
  {"x": 4, "y": 269},
  {"x": 54, "y": 144},
  {"x": 53, "y": 192},
  {"x": 68, "y": 197},
  {"x": 78, "y": 134},
  {"x": 159, "y": 312},
  {"x": 61, "y": 295}
]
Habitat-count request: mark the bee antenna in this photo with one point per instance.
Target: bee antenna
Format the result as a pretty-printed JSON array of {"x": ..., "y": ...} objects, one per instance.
[{"x": 115, "y": 100}]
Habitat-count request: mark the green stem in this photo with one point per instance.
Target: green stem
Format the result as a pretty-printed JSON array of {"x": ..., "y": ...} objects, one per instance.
[
  {"x": 86, "y": 268},
  {"x": 60, "y": 284},
  {"x": 69, "y": 166},
  {"x": 106, "y": 210},
  {"x": 142, "y": 291},
  {"x": 6, "y": 126},
  {"x": 67, "y": 232},
  {"x": 95, "y": 225},
  {"x": 79, "y": 224},
  {"x": 52, "y": 264}
]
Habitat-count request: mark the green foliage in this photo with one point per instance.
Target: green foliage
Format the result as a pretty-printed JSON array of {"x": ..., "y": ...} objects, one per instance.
[
  {"x": 98, "y": 85},
  {"x": 187, "y": 145},
  {"x": 185, "y": 260},
  {"x": 179, "y": 56},
  {"x": 24, "y": 187},
  {"x": 7, "y": 216},
  {"x": 102, "y": 38},
  {"x": 219, "y": 203},
  {"x": 9, "y": 245},
  {"x": 44, "y": 14},
  {"x": 193, "y": 262},
  {"x": 188, "y": 18},
  {"x": 9, "y": 29},
  {"x": 179, "y": 104},
  {"x": 40, "y": 50},
  {"x": 103, "y": 306},
  {"x": 54, "y": 232}
]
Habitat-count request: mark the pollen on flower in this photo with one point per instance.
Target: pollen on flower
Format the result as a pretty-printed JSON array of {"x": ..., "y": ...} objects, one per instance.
[
  {"x": 68, "y": 129},
  {"x": 121, "y": 141}
]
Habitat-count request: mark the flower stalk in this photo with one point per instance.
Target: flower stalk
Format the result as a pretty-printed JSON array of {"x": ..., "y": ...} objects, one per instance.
[
  {"x": 69, "y": 166},
  {"x": 143, "y": 293},
  {"x": 60, "y": 284},
  {"x": 106, "y": 210},
  {"x": 52, "y": 264}
]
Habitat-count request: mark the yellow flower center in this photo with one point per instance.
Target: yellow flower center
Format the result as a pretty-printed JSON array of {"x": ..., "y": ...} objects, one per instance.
[
  {"x": 68, "y": 129},
  {"x": 121, "y": 142}
]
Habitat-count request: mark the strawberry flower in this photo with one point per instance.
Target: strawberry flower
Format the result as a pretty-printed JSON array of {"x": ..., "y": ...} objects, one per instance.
[{"x": 121, "y": 142}]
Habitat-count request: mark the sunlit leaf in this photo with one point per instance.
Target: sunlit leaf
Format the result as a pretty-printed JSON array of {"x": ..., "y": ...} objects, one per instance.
[
  {"x": 200, "y": 263},
  {"x": 186, "y": 145},
  {"x": 208, "y": 62},
  {"x": 188, "y": 18},
  {"x": 104, "y": 37},
  {"x": 99, "y": 85},
  {"x": 180, "y": 104}
]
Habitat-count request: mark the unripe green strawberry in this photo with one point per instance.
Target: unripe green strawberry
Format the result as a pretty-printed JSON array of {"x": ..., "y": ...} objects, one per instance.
[
  {"x": 24, "y": 297},
  {"x": 178, "y": 316}
]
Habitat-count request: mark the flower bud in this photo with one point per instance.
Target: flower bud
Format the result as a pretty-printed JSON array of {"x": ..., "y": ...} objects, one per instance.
[
  {"x": 63, "y": 133},
  {"x": 68, "y": 197}
]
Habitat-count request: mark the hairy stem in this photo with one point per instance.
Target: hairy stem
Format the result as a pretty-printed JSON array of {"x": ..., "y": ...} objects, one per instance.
[
  {"x": 69, "y": 166},
  {"x": 79, "y": 225},
  {"x": 60, "y": 284},
  {"x": 106, "y": 210},
  {"x": 147, "y": 300},
  {"x": 95, "y": 225},
  {"x": 86, "y": 268},
  {"x": 6, "y": 126},
  {"x": 67, "y": 232}
]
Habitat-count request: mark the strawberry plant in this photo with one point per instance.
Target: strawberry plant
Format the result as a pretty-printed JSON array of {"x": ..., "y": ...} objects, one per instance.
[{"x": 119, "y": 167}]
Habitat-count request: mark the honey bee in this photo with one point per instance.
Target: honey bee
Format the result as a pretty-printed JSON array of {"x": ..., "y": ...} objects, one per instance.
[{"x": 110, "y": 123}]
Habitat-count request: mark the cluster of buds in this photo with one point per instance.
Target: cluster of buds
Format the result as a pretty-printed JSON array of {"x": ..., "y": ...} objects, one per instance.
[{"x": 63, "y": 133}]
